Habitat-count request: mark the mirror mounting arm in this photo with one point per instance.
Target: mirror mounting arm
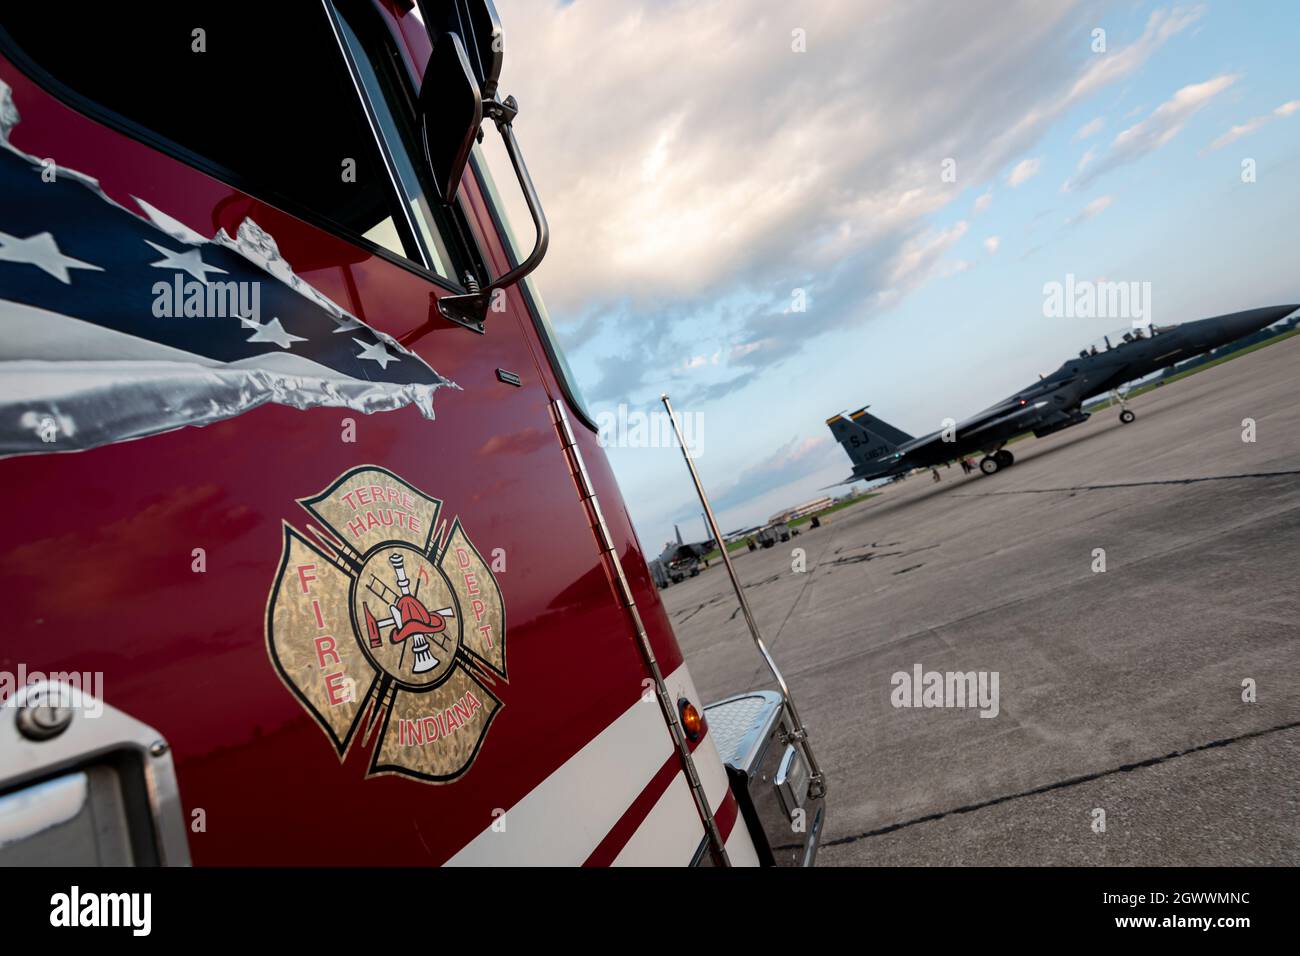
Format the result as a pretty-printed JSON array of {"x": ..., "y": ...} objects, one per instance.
[{"x": 471, "y": 309}]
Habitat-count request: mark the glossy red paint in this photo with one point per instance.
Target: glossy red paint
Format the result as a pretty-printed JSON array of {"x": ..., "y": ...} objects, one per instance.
[{"x": 97, "y": 564}]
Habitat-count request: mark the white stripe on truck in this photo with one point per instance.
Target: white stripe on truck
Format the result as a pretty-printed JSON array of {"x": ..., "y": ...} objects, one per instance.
[{"x": 564, "y": 818}]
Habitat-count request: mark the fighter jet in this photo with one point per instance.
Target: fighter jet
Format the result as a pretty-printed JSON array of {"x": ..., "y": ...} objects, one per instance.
[
  {"x": 681, "y": 560},
  {"x": 879, "y": 450}
]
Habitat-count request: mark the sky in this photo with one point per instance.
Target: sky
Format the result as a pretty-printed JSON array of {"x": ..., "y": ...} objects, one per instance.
[{"x": 777, "y": 210}]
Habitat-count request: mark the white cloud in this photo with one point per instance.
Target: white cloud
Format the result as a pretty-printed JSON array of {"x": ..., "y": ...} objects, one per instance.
[
  {"x": 792, "y": 452},
  {"x": 1094, "y": 208},
  {"x": 670, "y": 190},
  {"x": 1165, "y": 122},
  {"x": 984, "y": 201},
  {"x": 1238, "y": 131},
  {"x": 1161, "y": 25},
  {"x": 1118, "y": 64},
  {"x": 1091, "y": 128},
  {"x": 789, "y": 462},
  {"x": 1252, "y": 124},
  {"x": 1024, "y": 171},
  {"x": 746, "y": 155},
  {"x": 991, "y": 244},
  {"x": 919, "y": 256}
]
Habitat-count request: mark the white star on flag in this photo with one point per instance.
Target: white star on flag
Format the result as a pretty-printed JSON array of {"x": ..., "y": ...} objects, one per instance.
[
  {"x": 190, "y": 262},
  {"x": 347, "y": 325},
  {"x": 271, "y": 331},
  {"x": 43, "y": 252},
  {"x": 376, "y": 353}
]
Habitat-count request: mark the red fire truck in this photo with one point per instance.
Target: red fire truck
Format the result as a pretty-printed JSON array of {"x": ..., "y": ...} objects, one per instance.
[{"x": 311, "y": 553}]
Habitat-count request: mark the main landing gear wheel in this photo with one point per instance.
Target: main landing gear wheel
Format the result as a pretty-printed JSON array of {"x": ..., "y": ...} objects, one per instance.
[
  {"x": 1126, "y": 416},
  {"x": 1004, "y": 458},
  {"x": 989, "y": 465}
]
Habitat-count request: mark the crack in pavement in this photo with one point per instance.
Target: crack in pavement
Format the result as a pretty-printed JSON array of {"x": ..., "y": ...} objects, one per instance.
[
  {"x": 872, "y": 555},
  {"x": 835, "y": 529},
  {"x": 859, "y": 547},
  {"x": 719, "y": 598},
  {"x": 934, "y": 629},
  {"x": 869, "y": 556},
  {"x": 1060, "y": 784},
  {"x": 697, "y": 610}
]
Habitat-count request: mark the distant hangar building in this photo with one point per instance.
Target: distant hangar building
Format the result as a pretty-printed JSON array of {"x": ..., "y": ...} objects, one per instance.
[{"x": 807, "y": 508}]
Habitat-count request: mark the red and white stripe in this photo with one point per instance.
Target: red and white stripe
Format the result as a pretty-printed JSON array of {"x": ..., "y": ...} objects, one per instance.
[{"x": 622, "y": 800}]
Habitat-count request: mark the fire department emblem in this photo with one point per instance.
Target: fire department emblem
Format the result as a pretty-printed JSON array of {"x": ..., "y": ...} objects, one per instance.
[{"x": 388, "y": 625}]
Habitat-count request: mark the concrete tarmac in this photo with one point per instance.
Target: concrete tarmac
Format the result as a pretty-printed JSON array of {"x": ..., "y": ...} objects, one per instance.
[{"x": 1119, "y": 691}]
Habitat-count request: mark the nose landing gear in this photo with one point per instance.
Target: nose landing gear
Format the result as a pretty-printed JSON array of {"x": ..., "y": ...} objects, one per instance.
[
  {"x": 991, "y": 464},
  {"x": 1125, "y": 415}
]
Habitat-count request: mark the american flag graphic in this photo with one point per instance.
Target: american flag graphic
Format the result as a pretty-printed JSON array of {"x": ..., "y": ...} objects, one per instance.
[{"x": 117, "y": 325}]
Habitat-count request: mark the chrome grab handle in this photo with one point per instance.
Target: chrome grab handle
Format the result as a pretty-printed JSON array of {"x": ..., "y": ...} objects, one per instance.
[{"x": 799, "y": 734}]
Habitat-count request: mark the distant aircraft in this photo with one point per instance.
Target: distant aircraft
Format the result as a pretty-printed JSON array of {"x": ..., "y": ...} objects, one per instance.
[
  {"x": 879, "y": 450},
  {"x": 683, "y": 560}
]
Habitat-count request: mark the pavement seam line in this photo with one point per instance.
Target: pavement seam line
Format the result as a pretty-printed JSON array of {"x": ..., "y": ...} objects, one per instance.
[
  {"x": 1062, "y": 784},
  {"x": 1132, "y": 484}
]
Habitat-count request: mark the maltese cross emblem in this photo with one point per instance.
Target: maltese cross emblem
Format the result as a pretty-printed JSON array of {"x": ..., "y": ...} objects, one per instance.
[{"x": 389, "y": 627}]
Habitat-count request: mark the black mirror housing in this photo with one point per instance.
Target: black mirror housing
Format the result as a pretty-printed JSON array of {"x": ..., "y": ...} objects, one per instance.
[
  {"x": 451, "y": 111},
  {"x": 458, "y": 92}
]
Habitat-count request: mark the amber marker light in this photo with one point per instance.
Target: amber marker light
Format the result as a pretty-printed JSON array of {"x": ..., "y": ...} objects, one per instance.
[{"x": 692, "y": 719}]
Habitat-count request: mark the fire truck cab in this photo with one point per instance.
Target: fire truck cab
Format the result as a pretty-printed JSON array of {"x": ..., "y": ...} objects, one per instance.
[{"x": 312, "y": 554}]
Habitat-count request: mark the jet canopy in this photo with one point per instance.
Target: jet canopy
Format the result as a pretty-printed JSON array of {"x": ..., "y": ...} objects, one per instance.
[{"x": 1121, "y": 337}]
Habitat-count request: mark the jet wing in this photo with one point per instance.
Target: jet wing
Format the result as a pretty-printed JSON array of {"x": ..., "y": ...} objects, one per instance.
[
  {"x": 995, "y": 416},
  {"x": 1001, "y": 416}
]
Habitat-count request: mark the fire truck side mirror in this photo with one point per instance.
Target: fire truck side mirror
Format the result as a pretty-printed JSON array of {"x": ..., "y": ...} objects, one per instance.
[
  {"x": 458, "y": 93},
  {"x": 451, "y": 111}
]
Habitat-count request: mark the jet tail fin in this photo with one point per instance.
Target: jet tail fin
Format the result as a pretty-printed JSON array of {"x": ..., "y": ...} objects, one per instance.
[{"x": 865, "y": 437}]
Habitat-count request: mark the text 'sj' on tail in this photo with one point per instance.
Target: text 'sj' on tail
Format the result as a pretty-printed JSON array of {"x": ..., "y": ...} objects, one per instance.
[{"x": 865, "y": 437}]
